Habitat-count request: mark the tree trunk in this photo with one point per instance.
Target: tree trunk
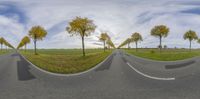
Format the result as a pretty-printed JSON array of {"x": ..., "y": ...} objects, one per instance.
[
  {"x": 104, "y": 46},
  {"x": 1, "y": 46},
  {"x": 160, "y": 43},
  {"x": 136, "y": 45},
  {"x": 25, "y": 47},
  {"x": 128, "y": 45},
  {"x": 35, "y": 46},
  {"x": 83, "y": 46},
  {"x": 190, "y": 45}
]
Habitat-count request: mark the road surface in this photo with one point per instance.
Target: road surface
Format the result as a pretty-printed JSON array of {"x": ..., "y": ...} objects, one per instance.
[{"x": 122, "y": 76}]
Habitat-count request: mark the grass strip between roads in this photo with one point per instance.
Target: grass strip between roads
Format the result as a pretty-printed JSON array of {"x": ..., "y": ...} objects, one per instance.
[
  {"x": 165, "y": 55},
  {"x": 66, "y": 61}
]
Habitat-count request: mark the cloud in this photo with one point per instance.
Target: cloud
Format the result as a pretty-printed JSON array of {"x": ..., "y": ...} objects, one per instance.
[
  {"x": 119, "y": 18},
  {"x": 11, "y": 30}
]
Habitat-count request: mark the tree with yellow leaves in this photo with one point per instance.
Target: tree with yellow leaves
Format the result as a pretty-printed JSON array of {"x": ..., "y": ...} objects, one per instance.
[
  {"x": 37, "y": 33},
  {"x": 82, "y": 27},
  {"x": 136, "y": 37},
  {"x": 104, "y": 37},
  {"x": 160, "y": 31}
]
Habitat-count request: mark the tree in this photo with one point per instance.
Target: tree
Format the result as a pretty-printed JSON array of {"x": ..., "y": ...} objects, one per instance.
[
  {"x": 136, "y": 37},
  {"x": 37, "y": 33},
  {"x": 165, "y": 46},
  {"x": 159, "y": 46},
  {"x": 126, "y": 42},
  {"x": 7, "y": 44},
  {"x": 25, "y": 41},
  {"x": 198, "y": 41},
  {"x": 2, "y": 41},
  {"x": 110, "y": 43},
  {"x": 83, "y": 27},
  {"x": 190, "y": 35},
  {"x": 160, "y": 31},
  {"x": 103, "y": 37},
  {"x": 21, "y": 44},
  {"x": 10, "y": 46}
]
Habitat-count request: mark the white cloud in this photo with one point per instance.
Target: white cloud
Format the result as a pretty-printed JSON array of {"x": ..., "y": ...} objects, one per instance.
[
  {"x": 119, "y": 18},
  {"x": 11, "y": 29}
]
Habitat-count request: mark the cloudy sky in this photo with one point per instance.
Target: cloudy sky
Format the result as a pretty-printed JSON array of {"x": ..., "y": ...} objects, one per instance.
[{"x": 120, "y": 18}]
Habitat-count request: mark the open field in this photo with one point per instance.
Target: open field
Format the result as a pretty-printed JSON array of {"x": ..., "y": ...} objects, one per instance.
[
  {"x": 66, "y": 60},
  {"x": 166, "y": 55},
  {"x": 5, "y": 51}
]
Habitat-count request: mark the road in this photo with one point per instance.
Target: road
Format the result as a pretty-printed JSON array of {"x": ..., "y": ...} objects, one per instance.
[{"x": 122, "y": 76}]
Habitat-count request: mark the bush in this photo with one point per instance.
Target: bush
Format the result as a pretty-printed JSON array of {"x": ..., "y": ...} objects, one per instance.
[{"x": 152, "y": 51}]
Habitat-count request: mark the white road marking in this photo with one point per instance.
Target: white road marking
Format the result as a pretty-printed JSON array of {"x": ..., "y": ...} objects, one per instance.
[{"x": 148, "y": 76}]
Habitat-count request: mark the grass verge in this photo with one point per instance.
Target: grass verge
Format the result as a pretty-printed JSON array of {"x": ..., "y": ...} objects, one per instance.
[
  {"x": 66, "y": 61},
  {"x": 165, "y": 55},
  {"x": 4, "y": 51}
]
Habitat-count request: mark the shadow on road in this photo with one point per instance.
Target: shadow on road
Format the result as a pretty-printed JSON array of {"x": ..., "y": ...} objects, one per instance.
[
  {"x": 106, "y": 65},
  {"x": 179, "y": 65},
  {"x": 23, "y": 70}
]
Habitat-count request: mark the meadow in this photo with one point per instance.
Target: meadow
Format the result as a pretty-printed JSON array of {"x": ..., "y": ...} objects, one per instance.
[
  {"x": 165, "y": 55},
  {"x": 66, "y": 61},
  {"x": 4, "y": 51}
]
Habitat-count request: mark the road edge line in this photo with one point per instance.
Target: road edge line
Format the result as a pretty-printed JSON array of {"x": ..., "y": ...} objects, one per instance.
[{"x": 148, "y": 76}]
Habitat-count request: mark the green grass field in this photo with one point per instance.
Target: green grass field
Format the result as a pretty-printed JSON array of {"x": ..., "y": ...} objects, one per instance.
[
  {"x": 66, "y": 60},
  {"x": 5, "y": 51},
  {"x": 166, "y": 55}
]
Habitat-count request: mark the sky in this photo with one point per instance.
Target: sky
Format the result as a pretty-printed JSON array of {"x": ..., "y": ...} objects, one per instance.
[{"x": 119, "y": 18}]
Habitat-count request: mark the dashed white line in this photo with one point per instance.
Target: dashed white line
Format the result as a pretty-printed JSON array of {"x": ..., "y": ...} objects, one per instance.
[{"x": 148, "y": 76}]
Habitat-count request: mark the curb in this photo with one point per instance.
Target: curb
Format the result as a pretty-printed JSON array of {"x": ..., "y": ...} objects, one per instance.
[{"x": 67, "y": 75}]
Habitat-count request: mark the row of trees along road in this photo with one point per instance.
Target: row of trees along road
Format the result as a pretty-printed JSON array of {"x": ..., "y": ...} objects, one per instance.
[
  {"x": 82, "y": 27},
  {"x": 36, "y": 33},
  {"x": 6, "y": 43},
  {"x": 24, "y": 42},
  {"x": 105, "y": 38},
  {"x": 159, "y": 31}
]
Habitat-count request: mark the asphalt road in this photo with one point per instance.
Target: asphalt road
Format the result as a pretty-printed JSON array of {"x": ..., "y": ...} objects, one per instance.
[{"x": 122, "y": 76}]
